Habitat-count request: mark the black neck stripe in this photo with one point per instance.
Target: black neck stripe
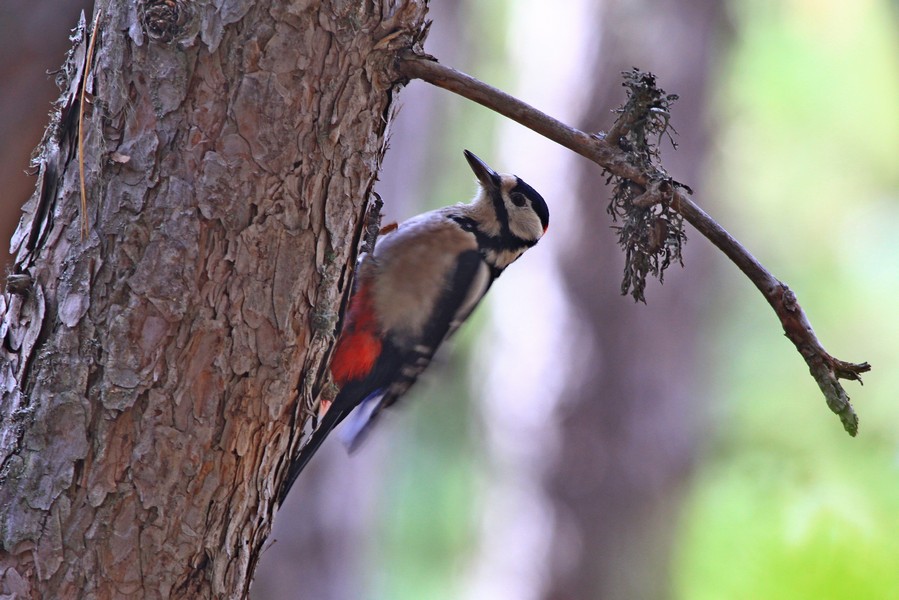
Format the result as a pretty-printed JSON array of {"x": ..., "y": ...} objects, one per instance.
[
  {"x": 502, "y": 215},
  {"x": 506, "y": 240}
]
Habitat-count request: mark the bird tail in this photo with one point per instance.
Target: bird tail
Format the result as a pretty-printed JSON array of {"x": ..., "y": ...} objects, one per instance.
[
  {"x": 356, "y": 431},
  {"x": 328, "y": 422}
]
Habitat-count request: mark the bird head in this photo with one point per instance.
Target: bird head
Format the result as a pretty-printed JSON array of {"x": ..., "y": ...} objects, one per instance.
[{"x": 519, "y": 210}]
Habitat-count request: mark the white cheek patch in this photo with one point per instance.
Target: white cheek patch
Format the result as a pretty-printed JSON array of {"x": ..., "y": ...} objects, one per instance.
[{"x": 525, "y": 224}]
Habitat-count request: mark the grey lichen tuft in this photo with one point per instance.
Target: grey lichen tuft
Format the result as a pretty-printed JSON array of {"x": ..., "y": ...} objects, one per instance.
[{"x": 650, "y": 232}]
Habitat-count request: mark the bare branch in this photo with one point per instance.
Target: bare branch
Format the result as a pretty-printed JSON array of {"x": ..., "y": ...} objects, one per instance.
[{"x": 826, "y": 370}]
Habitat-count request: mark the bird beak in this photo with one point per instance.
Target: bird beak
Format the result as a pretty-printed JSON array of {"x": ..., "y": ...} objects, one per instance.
[{"x": 487, "y": 176}]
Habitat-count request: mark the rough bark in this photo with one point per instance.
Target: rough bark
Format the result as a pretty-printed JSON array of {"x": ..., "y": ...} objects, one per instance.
[
  {"x": 33, "y": 40},
  {"x": 155, "y": 374},
  {"x": 628, "y": 433}
]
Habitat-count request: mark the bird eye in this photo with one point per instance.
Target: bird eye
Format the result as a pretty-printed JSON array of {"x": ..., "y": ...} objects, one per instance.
[{"x": 518, "y": 199}]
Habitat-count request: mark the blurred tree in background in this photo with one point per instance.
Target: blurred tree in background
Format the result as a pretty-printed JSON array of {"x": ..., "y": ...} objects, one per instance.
[{"x": 633, "y": 382}]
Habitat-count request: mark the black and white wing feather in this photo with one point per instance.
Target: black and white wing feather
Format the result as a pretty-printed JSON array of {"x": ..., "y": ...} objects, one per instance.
[{"x": 467, "y": 285}]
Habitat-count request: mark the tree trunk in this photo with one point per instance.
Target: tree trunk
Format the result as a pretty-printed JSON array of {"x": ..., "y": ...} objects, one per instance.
[{"x": 156, "y": 373}]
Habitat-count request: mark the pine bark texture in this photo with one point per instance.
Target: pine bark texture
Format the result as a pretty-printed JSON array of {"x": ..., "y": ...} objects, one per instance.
[{"x": 155, "y": 375}]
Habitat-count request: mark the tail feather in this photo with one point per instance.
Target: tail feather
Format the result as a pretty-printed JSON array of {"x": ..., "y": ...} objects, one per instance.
[
  {"x": 328, "y": 423},
  {"x": 353, "y": 393}
]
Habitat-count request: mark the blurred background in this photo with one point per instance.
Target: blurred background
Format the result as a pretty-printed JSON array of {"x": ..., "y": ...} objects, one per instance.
[{"x": 569, "y": 443}]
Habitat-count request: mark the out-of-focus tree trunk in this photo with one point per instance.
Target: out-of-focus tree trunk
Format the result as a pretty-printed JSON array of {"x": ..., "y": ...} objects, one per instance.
[
  {"x": 33, "y": 40},
  {"x": 630, "y": 411},
  {"x": 154, "y": 373},
  {"x": 592, "y": 404}
]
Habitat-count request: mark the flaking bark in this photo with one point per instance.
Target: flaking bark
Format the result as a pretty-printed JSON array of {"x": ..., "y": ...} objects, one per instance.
[{"x": 155, "y": 374}]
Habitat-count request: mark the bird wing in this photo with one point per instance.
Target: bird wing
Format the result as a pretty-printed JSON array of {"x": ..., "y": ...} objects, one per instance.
[{"x": 469, "y": 282}]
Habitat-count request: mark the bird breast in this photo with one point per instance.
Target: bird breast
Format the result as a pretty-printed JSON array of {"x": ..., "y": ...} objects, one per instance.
[{"x": 412, "y": 269}]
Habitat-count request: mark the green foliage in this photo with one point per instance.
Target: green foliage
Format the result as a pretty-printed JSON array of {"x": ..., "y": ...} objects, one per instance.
[
  {"x": 786, "y": 506},
  {"x": 768, "y": 526}
]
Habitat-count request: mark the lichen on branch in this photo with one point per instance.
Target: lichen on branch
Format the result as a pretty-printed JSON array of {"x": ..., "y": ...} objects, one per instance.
[{"x": 650, "y": 232}]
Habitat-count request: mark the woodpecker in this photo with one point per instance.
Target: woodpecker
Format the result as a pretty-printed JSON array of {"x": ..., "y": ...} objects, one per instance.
[{"x": 413, "y": 291}]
